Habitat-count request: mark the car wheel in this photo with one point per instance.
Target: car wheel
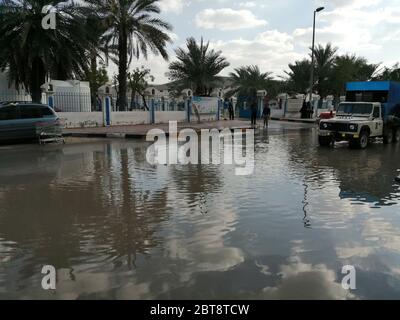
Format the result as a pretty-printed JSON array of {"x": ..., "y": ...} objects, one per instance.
[
  {"x": 396, "y": 135},
  {"x": 363, "y": 140},
  {"x": 324, "y": 141},
  {"x": 388, "y": 138}
]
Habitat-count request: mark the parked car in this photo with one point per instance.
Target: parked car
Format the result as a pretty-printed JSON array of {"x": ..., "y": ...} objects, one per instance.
[{"x": 25, "y": 120}]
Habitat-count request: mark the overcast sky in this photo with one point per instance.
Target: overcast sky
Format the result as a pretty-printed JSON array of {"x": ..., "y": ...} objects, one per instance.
[{"x": 273, "y": 33}]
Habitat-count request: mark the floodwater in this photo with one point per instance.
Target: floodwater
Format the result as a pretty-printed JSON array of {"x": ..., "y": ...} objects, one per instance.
[{"x": 117, "y": 227}]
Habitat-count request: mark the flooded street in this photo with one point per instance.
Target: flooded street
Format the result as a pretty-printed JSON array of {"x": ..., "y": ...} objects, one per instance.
[{"x": 117, "y": 227}]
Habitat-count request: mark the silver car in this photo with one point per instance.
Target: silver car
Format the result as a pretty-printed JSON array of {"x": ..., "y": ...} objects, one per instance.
[{"x": 24, "y": 120}]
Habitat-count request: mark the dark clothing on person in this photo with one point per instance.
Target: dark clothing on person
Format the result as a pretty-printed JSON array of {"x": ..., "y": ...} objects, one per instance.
[
  {"x": 253, "y": 117},
  {"x": 266, "y": 114},
  {"x": 231, "y": 113},
  {"x": 253, "y": 110},
  {"x": 266, "y": 111},
  {"x": 303, "y": 110}
]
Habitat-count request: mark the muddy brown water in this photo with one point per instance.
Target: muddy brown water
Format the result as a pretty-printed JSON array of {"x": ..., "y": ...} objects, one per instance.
[{"x": 117, "y": 227}]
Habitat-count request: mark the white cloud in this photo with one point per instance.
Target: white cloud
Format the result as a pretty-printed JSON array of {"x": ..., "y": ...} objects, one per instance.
[
  {"x": 247, "y": 4},
  {"x": 228, "y": 19},
  {"x": 349, "y": 3},
  {"x": 270, "y": 50},
  {"x": 174, "y": 6},
  {"x": 362, "y": 27}
]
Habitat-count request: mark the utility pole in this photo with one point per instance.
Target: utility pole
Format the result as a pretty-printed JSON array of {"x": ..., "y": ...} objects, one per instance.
[{"x": 312, "y": 54}]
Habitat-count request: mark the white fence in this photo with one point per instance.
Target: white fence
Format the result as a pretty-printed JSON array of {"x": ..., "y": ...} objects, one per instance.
[{"x": 97, "y": 119}]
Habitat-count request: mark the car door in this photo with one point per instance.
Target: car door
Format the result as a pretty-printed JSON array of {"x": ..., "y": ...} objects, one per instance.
[
  {"x": 29, "y": 116},
  {"x": 377, "y": 127},
  {"x": 9, "y": 122}
]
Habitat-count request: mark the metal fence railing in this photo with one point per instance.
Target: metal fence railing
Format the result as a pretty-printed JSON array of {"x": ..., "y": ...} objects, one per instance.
[
  {"x": 72, "y": 102},
  {"x": 160, "y": 104},
  {"x": 14, "y": 96}
]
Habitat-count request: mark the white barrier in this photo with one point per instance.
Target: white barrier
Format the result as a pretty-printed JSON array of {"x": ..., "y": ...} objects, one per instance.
[
  {"x": 165, "y": 116},
  {"x": 123, "y": 118},
  {"x": 95, "y": 119},
  {"x": 81, "y": 119}
]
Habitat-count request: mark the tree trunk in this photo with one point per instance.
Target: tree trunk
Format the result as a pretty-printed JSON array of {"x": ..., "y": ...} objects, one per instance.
[
  {"x": 122, "y": 66},
  {"x": 93, "y": 80},
  {"x": 38, "y": 78},
  {"x": 144, "y": 102}
]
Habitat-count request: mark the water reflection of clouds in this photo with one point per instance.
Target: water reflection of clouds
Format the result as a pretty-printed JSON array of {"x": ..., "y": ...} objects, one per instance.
[
  {"x": 206, "y": 250},
  {"x": 299, "y": 280}
]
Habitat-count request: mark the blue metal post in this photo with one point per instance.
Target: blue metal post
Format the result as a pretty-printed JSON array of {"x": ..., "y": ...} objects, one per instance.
[
  {"x": 219, "y": 109},
  {"x": 152, "y": 112},
  {"x": 50, "y": 101},
  {"x": 108, "y": 111},
  {"x": 188, "y": 109}
]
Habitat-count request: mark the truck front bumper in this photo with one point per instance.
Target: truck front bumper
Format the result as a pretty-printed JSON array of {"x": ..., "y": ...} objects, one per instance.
[{"x": 339, "y": 136}]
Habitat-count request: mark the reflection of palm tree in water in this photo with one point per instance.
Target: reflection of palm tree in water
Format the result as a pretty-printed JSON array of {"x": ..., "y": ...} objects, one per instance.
[
  {"x": 137, "y": 226},
  {"x": 306, "y": 220}
]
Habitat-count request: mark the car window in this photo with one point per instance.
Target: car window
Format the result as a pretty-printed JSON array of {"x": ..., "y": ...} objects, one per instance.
[
  {"x": 8, "y": 113},
  {"x": 46, "y": 111},
  {"x": 30, "y": 112}
]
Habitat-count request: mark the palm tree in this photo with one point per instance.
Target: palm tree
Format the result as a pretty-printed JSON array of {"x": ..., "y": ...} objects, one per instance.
[
  {"x": 138, "y": 83},
  {"x": 247, "y": 80},
  {"x": 348, "y": 68},
  {"x": 298, "y": 80},
  {"x": 197, "y": 68},
  {"x": 132, "y": 29},
  {"x": 389, "y": 73},
  {"x": 324, "y": 62},
  {"x": 30, "y": 54}
]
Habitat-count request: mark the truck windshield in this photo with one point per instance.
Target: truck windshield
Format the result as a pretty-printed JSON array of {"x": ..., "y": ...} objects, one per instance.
[{"x": 355, "y": 108}]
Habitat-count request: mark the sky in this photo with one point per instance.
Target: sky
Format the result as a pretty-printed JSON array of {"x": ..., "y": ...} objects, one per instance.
[{"x": 274, "y": 33}]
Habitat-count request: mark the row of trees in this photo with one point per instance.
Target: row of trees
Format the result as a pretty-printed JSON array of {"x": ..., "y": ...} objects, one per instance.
[
  {"x": 122, "y": 30},
  {"x": 332, "y": 72},
  {"x": 85, "y": 33}
]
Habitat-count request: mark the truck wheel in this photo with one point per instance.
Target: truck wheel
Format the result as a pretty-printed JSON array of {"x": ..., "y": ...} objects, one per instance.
[
  {"x": 396, "y": 135},
  {"x": 388, "y": 137},
  {"x": 324, "y": 141},
  {"x": 362, "y": 142}
]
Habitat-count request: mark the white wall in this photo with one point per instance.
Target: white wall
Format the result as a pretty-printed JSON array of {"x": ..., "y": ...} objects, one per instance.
[
  {"x": 165, "y": 116},
  {"x": 277, "y": 113},
  {"x": 129, "y": 117},
  {"x": 81, "y": 119},
  {"x": 95, "y": 119}
]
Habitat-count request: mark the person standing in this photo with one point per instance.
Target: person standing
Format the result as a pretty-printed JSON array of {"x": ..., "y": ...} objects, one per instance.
[
  {"x": 253, "y": 111},
  {"x": 303, "y": 110},
  {"x": 231, "y": 111},
  {"x": 266, "y": 114},
  {"x": 226, "y": 107}
]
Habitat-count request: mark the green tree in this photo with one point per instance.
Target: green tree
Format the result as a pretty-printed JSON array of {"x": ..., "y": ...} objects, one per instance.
[
  {"x": 138, "y": 83},
  {"x": 324, "y": 63},
  {"x": 133, "y": 28},
  {"x": 30, "y": 54},
  {"x": 96, "y": 78},
  {"x": 247, "y": 80},
  {"x": 348, "y": 68},
  {"x": 197, "y": 67},
  {"x": 389, "y": 73},
  {"x": 298, "y": 80}
]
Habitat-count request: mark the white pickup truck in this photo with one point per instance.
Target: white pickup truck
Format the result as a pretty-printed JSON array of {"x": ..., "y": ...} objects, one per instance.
[{"x": 360, "y": 122}]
